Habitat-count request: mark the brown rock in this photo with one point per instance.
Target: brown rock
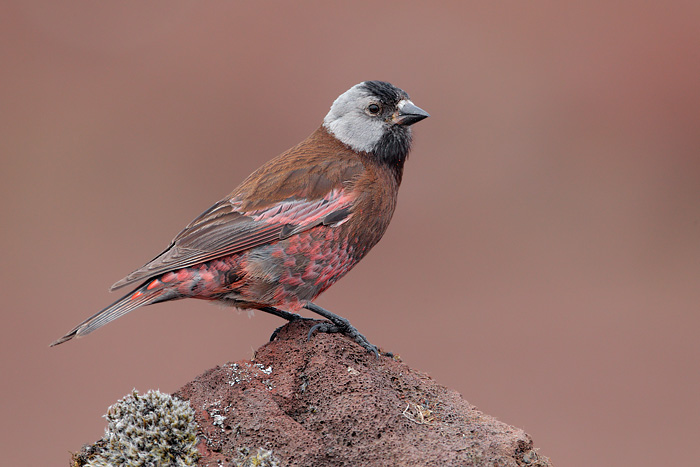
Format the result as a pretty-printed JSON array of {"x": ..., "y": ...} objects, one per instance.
[{"x": 327, "y": 402}]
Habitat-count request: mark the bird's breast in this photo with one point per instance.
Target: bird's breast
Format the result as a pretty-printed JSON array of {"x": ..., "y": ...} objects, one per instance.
[{"x": 377, "y": 193}]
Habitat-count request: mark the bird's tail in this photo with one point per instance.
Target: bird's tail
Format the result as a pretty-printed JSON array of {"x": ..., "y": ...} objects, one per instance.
[{"x": 139, "y": 297}]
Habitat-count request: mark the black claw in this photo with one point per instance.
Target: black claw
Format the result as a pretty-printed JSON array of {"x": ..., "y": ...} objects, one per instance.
[
  {"x": 323, "y": 327},
  {"x": 311, "y": 331},
  {"x": 275, "y": 332}
]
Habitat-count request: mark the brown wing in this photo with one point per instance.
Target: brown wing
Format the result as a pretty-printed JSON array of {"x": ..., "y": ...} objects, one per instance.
[{"x": 292, "y": 193}]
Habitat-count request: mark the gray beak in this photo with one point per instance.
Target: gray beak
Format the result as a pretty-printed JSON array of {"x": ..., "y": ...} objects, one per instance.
[{"x": 408, "y": 113}]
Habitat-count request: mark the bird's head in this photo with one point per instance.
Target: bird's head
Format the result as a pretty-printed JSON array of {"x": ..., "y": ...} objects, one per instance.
[{"x": 375, "y": 117}]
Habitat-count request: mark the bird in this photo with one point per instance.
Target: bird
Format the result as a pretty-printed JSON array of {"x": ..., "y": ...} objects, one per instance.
[{"x": 295, "y": 226}]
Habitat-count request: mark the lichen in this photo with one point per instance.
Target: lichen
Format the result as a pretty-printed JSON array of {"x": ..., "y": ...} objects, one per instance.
[
  {"x": 260, "y": 458},
  {"x": 147, "y": 430}
]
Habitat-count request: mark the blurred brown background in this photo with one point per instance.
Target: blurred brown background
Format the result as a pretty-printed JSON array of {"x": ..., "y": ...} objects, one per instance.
[{"x": 544, "y": 259}]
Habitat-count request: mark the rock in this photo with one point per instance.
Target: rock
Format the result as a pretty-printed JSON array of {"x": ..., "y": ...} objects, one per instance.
[
  {"x": 318, "y": 402},
  {"x": 327, "y": 402}
]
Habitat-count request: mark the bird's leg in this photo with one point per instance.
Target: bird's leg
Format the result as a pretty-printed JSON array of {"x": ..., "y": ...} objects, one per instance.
[
  {"x": 282, "y": 314},
  {"x": 337, "y": 323}
]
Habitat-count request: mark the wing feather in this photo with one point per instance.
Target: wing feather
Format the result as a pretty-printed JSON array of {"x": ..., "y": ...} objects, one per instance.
[{"x": 223, "y": 230}]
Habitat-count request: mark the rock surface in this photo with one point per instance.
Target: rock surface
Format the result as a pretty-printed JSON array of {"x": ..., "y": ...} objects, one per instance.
[{"x": 327, "y": 402}]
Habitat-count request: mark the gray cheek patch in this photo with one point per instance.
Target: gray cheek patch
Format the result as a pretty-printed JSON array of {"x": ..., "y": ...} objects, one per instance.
[
  {"x": 358, "y": 133},
  {"x": 348, "y": 121}
]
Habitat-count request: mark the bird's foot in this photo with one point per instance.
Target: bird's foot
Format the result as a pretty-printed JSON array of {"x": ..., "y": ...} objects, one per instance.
[
  {"x": 285, "y": 315},
  {"x": 277, "y": 331},
  {"x": 334, "y": 324},
  {"x": 349, "y": 330},
  {"x": 339, "y": 324}
]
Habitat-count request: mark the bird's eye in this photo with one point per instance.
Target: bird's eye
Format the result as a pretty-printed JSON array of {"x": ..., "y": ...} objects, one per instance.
[{"x": 373, "y": 109}]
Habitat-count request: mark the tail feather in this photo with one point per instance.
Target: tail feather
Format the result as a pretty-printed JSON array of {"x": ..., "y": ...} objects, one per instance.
[{"x": 135, "y": 299}]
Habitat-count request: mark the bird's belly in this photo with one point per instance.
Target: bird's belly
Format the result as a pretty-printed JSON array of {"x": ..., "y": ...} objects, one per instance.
[
  {"x": 296, "y": 270},
  {"x": 285, "y": 274}
]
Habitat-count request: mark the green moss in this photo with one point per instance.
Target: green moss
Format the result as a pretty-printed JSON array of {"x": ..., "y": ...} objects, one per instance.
[{"x": 144, "y": 430}]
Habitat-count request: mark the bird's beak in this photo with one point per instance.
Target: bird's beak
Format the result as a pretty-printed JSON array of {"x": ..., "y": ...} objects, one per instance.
[{"x": 408, "y": 113}]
